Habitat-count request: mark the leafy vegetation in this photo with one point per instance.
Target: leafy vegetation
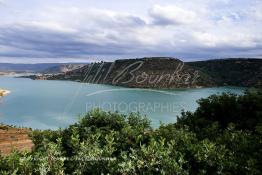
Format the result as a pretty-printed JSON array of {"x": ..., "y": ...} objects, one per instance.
[
  {"x": 223, "y": 136},
  {"x": 233, "y": 72}
]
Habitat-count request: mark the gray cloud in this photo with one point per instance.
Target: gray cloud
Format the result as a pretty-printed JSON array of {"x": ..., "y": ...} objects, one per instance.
[
  {"x": 171, "y": 15},
  {"x": 170, "y": 30},
  {"x": 28, "y": 41}
]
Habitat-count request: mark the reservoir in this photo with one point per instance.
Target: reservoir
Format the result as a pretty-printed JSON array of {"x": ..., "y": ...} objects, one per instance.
[{"x": 44, "y": 104}]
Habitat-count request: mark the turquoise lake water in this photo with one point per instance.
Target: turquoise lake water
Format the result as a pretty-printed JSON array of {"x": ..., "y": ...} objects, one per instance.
[{"x": 53, "y": 104}]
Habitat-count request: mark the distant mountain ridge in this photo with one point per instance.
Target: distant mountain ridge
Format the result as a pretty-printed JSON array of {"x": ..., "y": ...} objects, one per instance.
[
  {"x": 166, "y": 72},
  {"x": 38, "y": 68},
  {"x": 10, "y": 67}
]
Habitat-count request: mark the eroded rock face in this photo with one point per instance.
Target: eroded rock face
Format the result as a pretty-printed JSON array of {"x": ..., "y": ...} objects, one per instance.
[{"x": 63, "y": 68}]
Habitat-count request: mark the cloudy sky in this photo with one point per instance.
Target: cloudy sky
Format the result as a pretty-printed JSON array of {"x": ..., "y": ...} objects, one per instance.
[{"x": 93, "y": 30}]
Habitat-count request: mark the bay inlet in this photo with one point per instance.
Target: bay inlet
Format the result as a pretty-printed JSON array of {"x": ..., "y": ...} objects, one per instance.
[{"x": 50, "y": 104}]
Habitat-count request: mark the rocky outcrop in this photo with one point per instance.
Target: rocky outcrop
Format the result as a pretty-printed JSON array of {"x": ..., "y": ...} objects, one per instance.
[
  {"x": 63, "y": 68},
  {"x": 4, "y": 92}
]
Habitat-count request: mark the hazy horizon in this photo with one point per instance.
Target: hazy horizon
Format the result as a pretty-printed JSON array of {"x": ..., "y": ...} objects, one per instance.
[{"x": 73, "y": 61}]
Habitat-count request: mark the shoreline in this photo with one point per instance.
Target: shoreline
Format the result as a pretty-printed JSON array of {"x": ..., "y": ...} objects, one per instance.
[{"x": 4, "y": 92}]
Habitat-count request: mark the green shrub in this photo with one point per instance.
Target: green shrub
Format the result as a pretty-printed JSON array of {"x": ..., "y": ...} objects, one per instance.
[{"x": 223, "y": 136}]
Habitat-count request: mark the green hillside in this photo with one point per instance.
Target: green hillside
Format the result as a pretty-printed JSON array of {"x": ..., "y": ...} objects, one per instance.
[
  {"x": 167, "y": 73},
  {"x": 233, "y": 72}
]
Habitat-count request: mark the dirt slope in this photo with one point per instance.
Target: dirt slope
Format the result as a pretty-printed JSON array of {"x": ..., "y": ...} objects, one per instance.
[{"x": 14, "y": 138}]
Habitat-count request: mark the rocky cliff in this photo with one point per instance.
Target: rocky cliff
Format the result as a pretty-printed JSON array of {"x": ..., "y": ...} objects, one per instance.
[{"x": 62, "y": 68}]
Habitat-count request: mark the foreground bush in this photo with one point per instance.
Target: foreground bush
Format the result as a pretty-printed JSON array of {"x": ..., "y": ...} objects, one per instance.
[{"x": 223, "y": 136}]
